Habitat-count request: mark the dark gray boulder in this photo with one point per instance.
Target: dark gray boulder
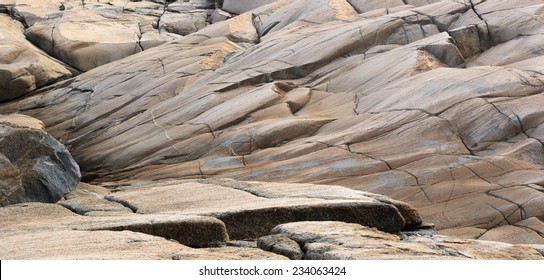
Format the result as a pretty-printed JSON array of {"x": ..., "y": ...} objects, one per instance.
[{"x": 33, "y": 166}]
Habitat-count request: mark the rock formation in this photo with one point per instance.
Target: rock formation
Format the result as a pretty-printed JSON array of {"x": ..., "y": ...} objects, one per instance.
[
  {"x": 438, "y": 104},
  {"x": 23, "y": 67},
  {"x": 161, "y": 221},
  {"x": 33, "y": 165}
]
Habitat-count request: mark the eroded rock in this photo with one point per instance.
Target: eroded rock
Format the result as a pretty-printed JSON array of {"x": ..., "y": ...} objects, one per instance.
[
  {"x": 23, "y": 67},
  {"x": 250, "y": 210},
  {"x": 334, "y": 240}
]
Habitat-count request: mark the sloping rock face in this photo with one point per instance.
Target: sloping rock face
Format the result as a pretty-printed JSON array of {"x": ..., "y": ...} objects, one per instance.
[
  {"x": 23, "y": 67},
  {"x": 33, "y": 165},
  {"x": 438, "y": 105}
]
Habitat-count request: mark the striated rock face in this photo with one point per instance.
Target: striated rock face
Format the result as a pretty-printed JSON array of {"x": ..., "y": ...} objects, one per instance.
[
  {"x": 434, "y": 103},
  {"x": 33, "y": 165}
]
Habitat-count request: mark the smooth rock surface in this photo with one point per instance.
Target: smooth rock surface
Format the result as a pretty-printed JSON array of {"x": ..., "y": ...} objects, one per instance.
[{"x": 242, "y": 6}]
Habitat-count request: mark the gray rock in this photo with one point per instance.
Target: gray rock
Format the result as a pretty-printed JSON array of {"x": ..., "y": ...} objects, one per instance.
[{"x": 35, "y": 166}]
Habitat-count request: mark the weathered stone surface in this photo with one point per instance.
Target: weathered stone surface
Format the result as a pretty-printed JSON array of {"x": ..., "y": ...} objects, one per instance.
[
  {"x": 190, "y": 230},
  {"x": 363, "y": 6},
  {"x": 87, "y": 34},
  {"x": 227, "y": 253},
  {"x": 251, "y": 209},
  {"x": 89, "y": 200},
  {"x": 437, "y": 104},
  {"x": 35, "y": 166},
  {"x": 22, "y": 120},
  {"x": 281, "y": 245},
  {"x": 335, "y": 240},
  {"x": 23, "y": 67},
  {"x": 513, "y": 234},
  {"x": 194, "y": 231},
  {"x": 242, "y": 6},
  {"x": 84, "y": 245}
]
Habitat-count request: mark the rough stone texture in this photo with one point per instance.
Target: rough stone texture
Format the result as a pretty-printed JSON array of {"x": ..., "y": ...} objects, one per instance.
[
  {"x": 33, "y": 165},
  {"x": 251, "y": 209},
  {"x": 26, "y": 220},
  {"x": 194, "y": 231},
  {"x": 89, "y": 200},
  {"x": 227, "y": 253},
  {"x": 437, "y": 104},
  {"x": 23, "y": 67},
  {"x": 335, "y": 240},
  {"x": 84, "y": 245},
  {"x": 281, "y": 245}
]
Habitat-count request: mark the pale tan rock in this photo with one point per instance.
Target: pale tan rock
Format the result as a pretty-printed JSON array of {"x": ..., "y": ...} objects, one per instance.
[
  {"x": 297, "y": 14},
  {"x": 334, "y": 240},
  {"x": 23, "y": 67},
  {"x": 241, "y": 204},
  {"x": 533, "y": 223},
  {"x": 191, "y": 230},
  {"x": 84, "y": 245},
  {"x": 23, "y": 121},
  {"x": 513, "y": 234},
  {"x": 89, "y": 200},
  {"x": 227, "y": 253}
]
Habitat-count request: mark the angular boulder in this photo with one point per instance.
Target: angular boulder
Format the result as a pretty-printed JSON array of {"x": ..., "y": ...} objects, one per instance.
[{"x": 34, "y": 166}]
